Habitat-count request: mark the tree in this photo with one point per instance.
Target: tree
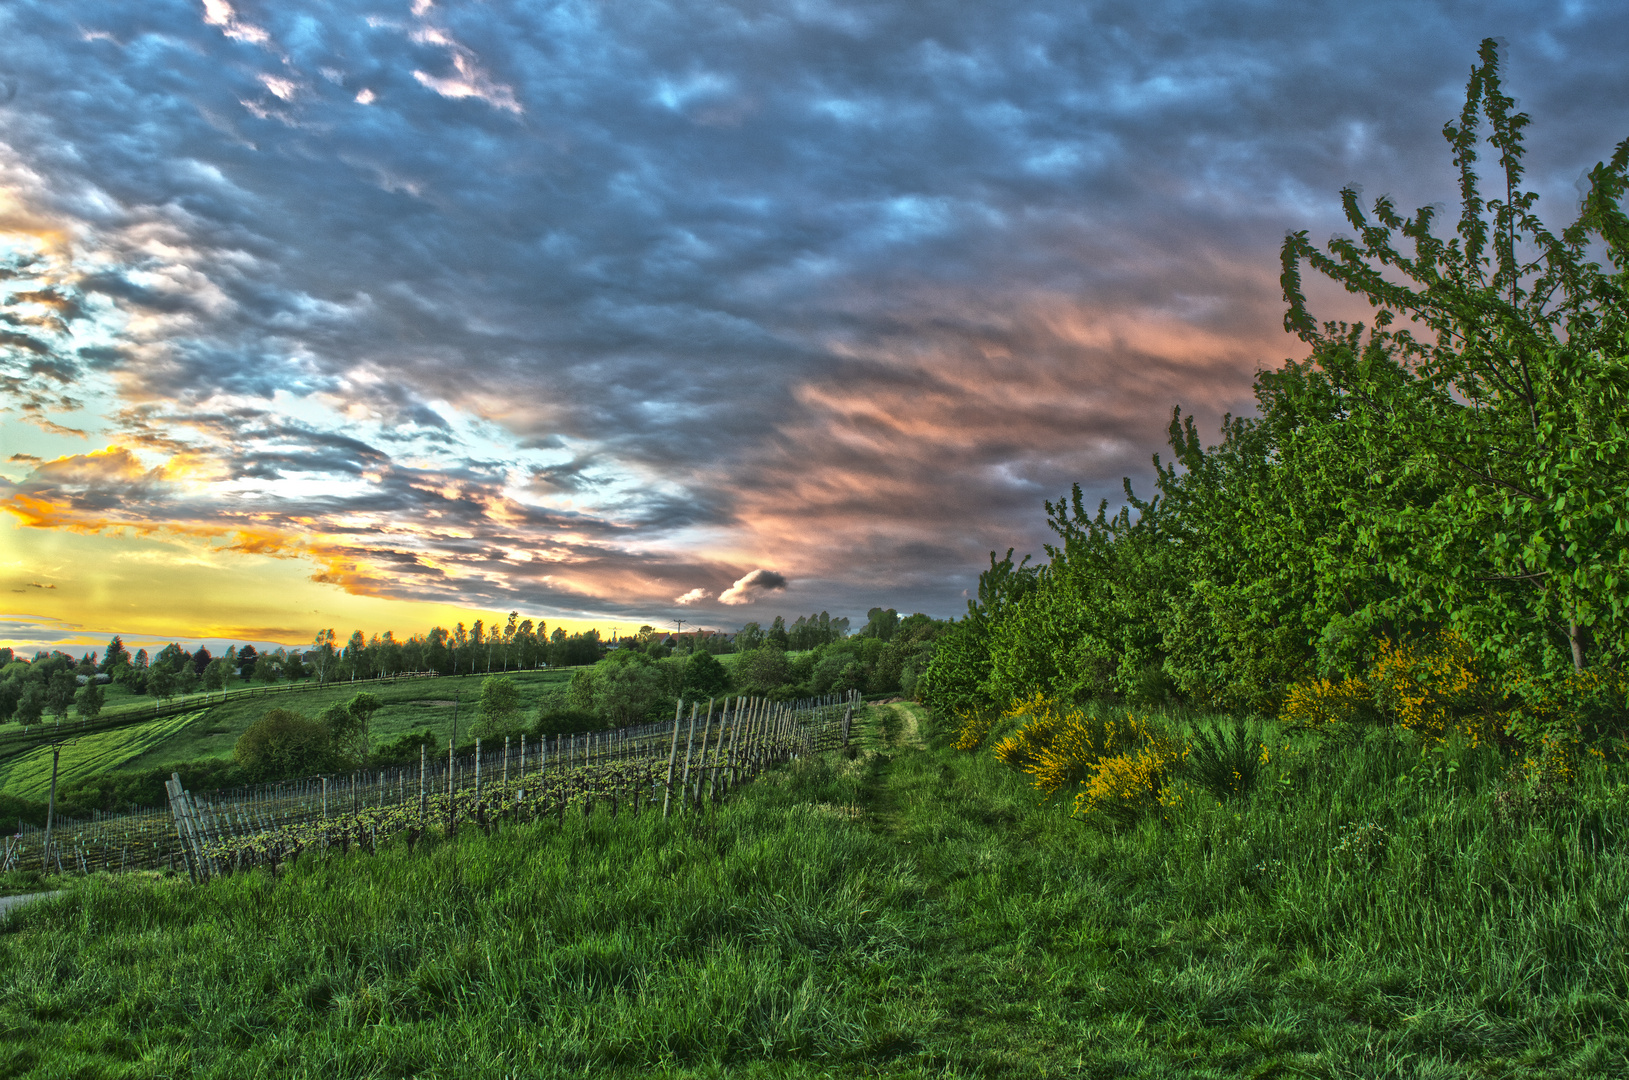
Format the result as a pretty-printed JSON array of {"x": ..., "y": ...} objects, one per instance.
[
  {"x": 284, "y": 744},
  {"x": 361, "y": 708},
  {"x": 162, "y": 682},
  {"x": 31, "y": 702},
  {"x": 89, "y": 699},
  {"x": 200, "y": 660},
  {"x": 114, "y": 655},
  {"x": 323, "y": 654},
  {"x": 265, "y": 668},
  {"x": 777, "y": 635},
  {"x": 1511, "y": 399},
  {"x": 762, "y": 670},
  {"x": 500, "y": 708},
  {"x": 749, "y": 637},
  {"x": 218, "y": 673},
  {"x": 355, "y": 656},
  {"x": 248, "y": 662},
  {"x": 59, "y": 693},
  {"x": 704, "y": 676}
]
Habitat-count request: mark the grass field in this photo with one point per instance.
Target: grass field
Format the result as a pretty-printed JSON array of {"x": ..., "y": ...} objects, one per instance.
[
  {"x": 409, "y": 705},
  {"x": 909, "y": 911},
  {"x": 29, "y": 775}
]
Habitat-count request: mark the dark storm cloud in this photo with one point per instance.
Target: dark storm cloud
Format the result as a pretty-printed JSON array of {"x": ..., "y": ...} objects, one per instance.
[{"x": 855, "y": 286}]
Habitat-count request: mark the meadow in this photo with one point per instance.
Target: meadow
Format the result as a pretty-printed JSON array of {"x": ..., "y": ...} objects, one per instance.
[
  {"x": 1372, "y": 908},
  {"x": 410, "y": 705}
]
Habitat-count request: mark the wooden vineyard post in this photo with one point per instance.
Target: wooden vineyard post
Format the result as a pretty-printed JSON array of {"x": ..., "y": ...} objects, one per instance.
[
  {"x": 477, "y": 772},
  {"x": 689, "y": 745},
  {"x": 325, "y": 799},
  {"x": 848, "y": 717},
  {"x": 701, "y": 761},
  {"x": 451, "y": 814},
  {"x": 718, "y": 749},
  {"x": 667, "y": 797},
  {"x": 424, "y": 779},
  {"x": 735, "y": 728},
  {"x": 183, "y": 828}
]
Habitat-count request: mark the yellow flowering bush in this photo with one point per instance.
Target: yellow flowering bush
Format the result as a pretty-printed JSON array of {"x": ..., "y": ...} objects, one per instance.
[
  {"x": 1326, "y": 701},
  {"x": 973, "y": 727},
  {"x": 1060, "y": 744},
  {"x": 1126, "y": 785},
  {"x": 1432, "y": 685},
  {"x": 1436, "y": 685}
]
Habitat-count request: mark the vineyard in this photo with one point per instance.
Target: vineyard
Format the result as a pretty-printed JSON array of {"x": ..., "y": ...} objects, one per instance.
[{"x": 688, "y": 763}]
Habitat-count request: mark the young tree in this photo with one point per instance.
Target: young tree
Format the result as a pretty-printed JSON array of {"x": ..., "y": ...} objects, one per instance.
[
  {"x": 89, "y": 700},
  {"x": 59, "y": 692},
  {"x": 500, "y": 708},
  {"x": 266, "y": 668},
  {"x": 323, "y": 655}
]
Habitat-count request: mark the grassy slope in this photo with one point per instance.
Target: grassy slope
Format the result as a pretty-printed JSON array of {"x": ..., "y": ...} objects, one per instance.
[
  {"x": 29, "y": 775},
  {"x": 909, "y": 912},
  {"x": 409, "y": 705}
]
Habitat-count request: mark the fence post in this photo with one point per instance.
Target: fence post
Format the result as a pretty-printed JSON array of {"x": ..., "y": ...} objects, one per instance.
[
  {"x": 667, "y": 797},
  {"x": 689, "y": 745},
  {"x": 477, "y": 771},
  {"x": 424, "y": 791}
]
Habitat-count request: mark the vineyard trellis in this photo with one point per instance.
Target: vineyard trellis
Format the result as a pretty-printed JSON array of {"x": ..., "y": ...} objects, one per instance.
[{"x": 724, "y": 744}]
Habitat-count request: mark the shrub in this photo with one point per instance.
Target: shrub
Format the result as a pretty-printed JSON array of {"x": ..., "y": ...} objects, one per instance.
[
  {"x": 1225, "y": 763},
  {"x": 552, "y": 721},
  {"x": 1124, "y": 787},
  {"x": 285, "y": 744}
]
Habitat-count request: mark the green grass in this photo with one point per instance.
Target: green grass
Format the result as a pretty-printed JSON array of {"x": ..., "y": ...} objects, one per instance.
[
  {"x": 29, "y": 775},
  {"x": 409, "y": 705},
  {"x": 907, "y": 911}
]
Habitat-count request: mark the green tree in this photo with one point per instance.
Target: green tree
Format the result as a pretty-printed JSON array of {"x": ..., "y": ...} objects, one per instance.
[
  {"x": 500, "y": 708},
  {"x": 284, "y": 744},
  {"x": 216, "y": 675},
  {"x": 115, "y": 654},
  {"x": 323, "y": 654},
  {"x": 59, "y": 693},
  {"x": 89, "y": 699},
  {"x": 704, "y": 677},
  {"x": 762, "y": 670},
  {"x": 266, "y": 668},
  {"x": 31, "y": 702},
  {"x": 1497, "y": 357},
  {"x": 749, "y": 637}
]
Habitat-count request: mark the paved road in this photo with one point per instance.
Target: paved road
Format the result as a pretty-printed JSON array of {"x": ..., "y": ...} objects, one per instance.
[{"x": 9, "y": 902}]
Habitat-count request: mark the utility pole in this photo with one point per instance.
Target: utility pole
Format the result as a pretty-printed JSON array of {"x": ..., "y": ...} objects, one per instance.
[{"x": 51, "y": 805}]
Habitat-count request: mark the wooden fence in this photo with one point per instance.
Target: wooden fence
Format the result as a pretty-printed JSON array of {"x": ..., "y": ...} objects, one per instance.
[{"x": 723, "y": 745}]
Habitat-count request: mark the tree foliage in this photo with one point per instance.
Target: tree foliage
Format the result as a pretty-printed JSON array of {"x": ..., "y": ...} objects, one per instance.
[{"x": 1458, "y": 463}]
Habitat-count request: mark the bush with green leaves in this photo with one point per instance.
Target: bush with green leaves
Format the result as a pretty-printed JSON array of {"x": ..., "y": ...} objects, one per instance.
[{"x": 284, "y": 744}]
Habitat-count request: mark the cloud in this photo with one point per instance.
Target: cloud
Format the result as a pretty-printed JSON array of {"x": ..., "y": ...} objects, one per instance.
[
  {"x": 580, "y": 309},
  {"x": 753, "y": 586}
]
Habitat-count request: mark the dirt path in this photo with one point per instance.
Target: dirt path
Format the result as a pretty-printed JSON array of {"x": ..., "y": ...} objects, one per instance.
[
  {"x": 890, "y": 731},
  {"x": 7, "y": 903}
]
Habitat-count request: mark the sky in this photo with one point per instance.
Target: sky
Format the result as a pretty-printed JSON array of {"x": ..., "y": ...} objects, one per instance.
[{"x": 384, "y": 314}]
